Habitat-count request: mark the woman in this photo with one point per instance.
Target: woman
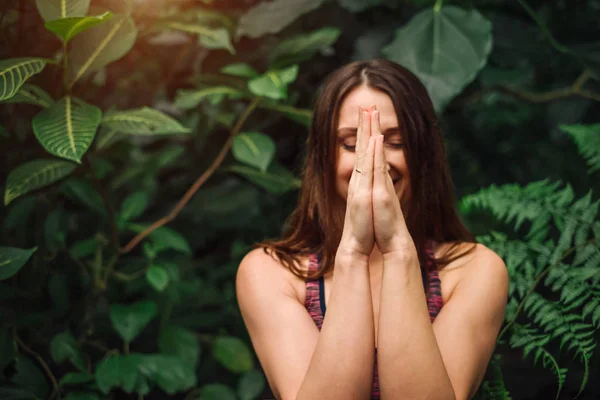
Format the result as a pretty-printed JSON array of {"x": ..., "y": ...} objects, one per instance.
[{"x": 376, "y": 290}]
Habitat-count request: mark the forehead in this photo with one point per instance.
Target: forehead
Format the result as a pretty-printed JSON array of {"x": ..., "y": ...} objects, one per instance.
[{"x": 366, "y": 96}]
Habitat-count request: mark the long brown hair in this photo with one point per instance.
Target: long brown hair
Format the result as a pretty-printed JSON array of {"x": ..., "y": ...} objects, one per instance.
[{"x": 315, "y": 226}]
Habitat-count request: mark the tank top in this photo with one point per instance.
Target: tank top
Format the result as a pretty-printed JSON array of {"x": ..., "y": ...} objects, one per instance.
[{"x": 315, "y": 300}]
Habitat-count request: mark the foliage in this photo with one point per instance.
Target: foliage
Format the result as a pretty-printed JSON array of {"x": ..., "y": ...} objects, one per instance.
[{"x": 126, "y": 214}]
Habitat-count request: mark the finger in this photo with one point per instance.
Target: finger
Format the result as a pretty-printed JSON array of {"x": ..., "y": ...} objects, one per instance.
[
  {"x": 380, "y": 173},
  {"x": 375, "y": 123},
  {"x": 365, "y": 183},
  {"x": 362, "y": 137}
]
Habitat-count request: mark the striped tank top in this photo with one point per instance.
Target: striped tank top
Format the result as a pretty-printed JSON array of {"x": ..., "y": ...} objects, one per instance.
[{"x": 315, "y": 300}]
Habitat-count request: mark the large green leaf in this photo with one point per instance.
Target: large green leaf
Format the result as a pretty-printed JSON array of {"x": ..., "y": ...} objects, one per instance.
[
  {"x": 303, "y": 47},
  {"x": 251, "y": 385},
  {"x": 445, "y": 47},
  {"x": 587, "y": 138},
  {"x": 187, "y": 99},
  {"x": 254, "y": 148},
  {"x": 273, "y": 83},
  {"x": 31, "y": 94},
  {"x": 134, "y": 205},
  {"x": 63, "y": 347},
  {"x": 68, "y": 28},
  {"x": 142, "y": 121},
  {"x": 82, "y": 191},
  {"x": 211, "y": 38},
  {"x": 34, "y": 175},
  {"x": 171, "y": 373},
  {"x": 101, "y": 45},
  {"x": 55, "y": 9},
  {"x": 15, "y": 71},
  {"x": 233, "y": 354},
  {"x": 180, "y": 342},
  {"x": 120, "y": 371},
  {"x": 273, "y": 16},
  {"x": 67, "y": 128},
  {"x": 129, "y": 320}
]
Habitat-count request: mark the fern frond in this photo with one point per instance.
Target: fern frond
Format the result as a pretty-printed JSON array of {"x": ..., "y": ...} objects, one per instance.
[
  {"x": 492, "y": 388},
  {"x": 587, "y": 139},
  {"x": 531, "y": 341},
  {"x": 592, "y": 307}
]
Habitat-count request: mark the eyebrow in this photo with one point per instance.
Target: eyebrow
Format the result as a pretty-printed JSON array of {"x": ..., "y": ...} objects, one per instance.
[{"x": 348, "y": 132}]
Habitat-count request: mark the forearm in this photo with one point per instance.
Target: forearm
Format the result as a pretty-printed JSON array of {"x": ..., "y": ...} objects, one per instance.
[
  {"x": 409, "y": 360},
  {"x": 342, "y": 363}
]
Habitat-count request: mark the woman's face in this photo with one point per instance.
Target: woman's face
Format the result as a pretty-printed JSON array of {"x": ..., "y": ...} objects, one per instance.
[{"x": 346, "y": 141}]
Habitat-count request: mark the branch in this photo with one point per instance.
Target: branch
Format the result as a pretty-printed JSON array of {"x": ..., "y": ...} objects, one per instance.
[
  {"x": 40, "y": 360},
  {"x": 199, "y": 182}
]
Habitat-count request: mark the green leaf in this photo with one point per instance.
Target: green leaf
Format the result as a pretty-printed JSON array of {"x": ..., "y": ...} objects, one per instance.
[
  {"x": 587, "y": 138},
  {"x": 251, "y": 385},
  {"x": 17, "y": 394},
  {"x": 273, "y": 16},
  {"x": 445, "y": 48},
  {"x": 186, "y": 99},
  {"x": 254, "y": 148},
  {"x": 170, "y": 373},
  {"x": 63, "y": 347},
  {"x": 15, "y": 71},
  {"x": 67, "y": 128},
  {"x": 81, "y": 396},
  {"x": 142, "y": 121},
  {"x": 134, "y": 205},
  {"x": 31, "y": 94},
  {"x": 273, "y": 84},
  {"x": 276, "y": 179},
  {"x": 180, "y": 342},
  {"x": 55, "y": 230},
  {"x": 68, "y": 28},
  {"x": 83, "y": 248},
  {"x": 29, "y": 375},
  {"x": 303, "y": 47},
  {"x": 130, "y": 320},
  {"x": 12, "y": 260},
  {"x": 82, "y": 191},
  {"x": 119, "y": 371},
  {"x": 157, "y": 277},
  {"x": 239, "y": 69},
  {"x": 101, "y": 45},
  {"x": 54, "y": 9},
  {"x": 211, "y": 38},
  {"x": 76, "y": 378},
  {"x": 216, "y": 391},
  {"x": 165, "y": 238},
  {"x": 233, "y": 354},
  {"x": 302, "y": 116},
  {"x": 356, "y": 6},
  {"x": 34, "y": 175},
  {"x": 8, "y": 348}
]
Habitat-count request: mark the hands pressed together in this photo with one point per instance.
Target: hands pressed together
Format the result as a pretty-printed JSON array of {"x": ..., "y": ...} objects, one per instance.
[{"x": 373, "y": 212}]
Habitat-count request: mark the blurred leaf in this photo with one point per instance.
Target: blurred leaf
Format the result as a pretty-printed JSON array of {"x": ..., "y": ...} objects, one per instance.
[
  {"x": 8, "y": 348},
  {"x": 134, "y": 205},
  {"x": 63, "y": 347},
  {"x": 31, "y": 94},
  {"x": 445, "y": 48},
  {"x": 302, "y": 116},
  {"x": 170, "y": 373},
  {"x": 499, "y": 76},
  {"x": 254, "y": 148},
  {"x": 67, "y": 128},
  {"x": 276, "y": 179},
  {"x": 118, "y": 371},
  {"x": 101, "y": 45},
  {"x": 180, "y": 342},
  {"x": 211, "y": 38},
  {"x": 15, "y": 71},
  {"x": 81, "y": 396},
  {"x": 107, "y": 137},
  {"x": 67, "y": 28},
  {"x": 13, "y": 259},
  {"x": 239, "y": 69},
  {"x": 30, "y": 376},
  {"x": 55, "y": 230},
  {"x": 356, "y": 6},
  {"x": 587, "y": 138},
  {"x": 54, "y": 9},
  {"x": 303, "y": 47},
  {"x": 273, "y": 16},
  {"x": 34, "y": 175},
  {"x": 216, "y": 391},
  {"x": 187, "y": 99},
  {"x": 59, "y": 293},
  {"x": 273, "y": 84},
  {"x": 83, "y": 248},
  {"x": 18, "y": 215},
  {"x": 165, "y": 238},
  {"x": 157, "y": 277},
  {"x": 76, "y": 378},
  {"x": 17, "y": 394},
  {"x": 82, "y": 191},
  {"x": 251, "y": 385},
  {"x": 233, "y": 354},
  {"x": 130, "y": 320},
  {"x": 142, "y": 121}
]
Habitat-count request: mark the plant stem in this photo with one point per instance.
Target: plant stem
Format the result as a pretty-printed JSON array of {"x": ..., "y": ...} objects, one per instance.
[
  {"x": 40, "y": 361},
  {"x": 65, "y": 65},
  {"x": 199, "y": 182},
  {"x": 437, "y": 6}
]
